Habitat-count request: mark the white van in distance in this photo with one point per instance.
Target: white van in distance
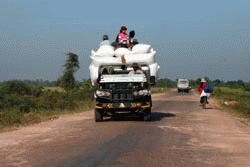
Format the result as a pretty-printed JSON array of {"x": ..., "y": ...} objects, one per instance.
[{"x": 183, "y": 85}]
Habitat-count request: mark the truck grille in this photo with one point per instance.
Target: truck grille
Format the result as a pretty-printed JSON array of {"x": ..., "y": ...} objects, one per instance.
[{"x": 122, "y": 95}]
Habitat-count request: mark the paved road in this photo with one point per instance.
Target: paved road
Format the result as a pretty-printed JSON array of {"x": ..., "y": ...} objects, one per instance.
[{"x": 181, "y": 134}]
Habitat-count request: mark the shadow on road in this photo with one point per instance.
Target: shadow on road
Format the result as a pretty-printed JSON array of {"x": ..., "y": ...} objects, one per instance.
[
  {"x": 208, "y": 108},
  {"x": 155, "y": 116}
]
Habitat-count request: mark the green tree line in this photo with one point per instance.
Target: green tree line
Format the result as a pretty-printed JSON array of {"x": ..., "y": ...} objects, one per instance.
[
  {"x": 165, "y": 82},
  {"x": 19, "y": 99}
]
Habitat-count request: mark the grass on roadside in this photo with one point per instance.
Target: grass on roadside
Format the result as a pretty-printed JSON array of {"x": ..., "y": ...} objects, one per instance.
[
  {"x": 13, "y": 117},
  {"x": 59, "y": 89},
  {"x": 159, "y": 90},
  {"x": 238, "y": 99},
  {"x": 22, "y": 103}
]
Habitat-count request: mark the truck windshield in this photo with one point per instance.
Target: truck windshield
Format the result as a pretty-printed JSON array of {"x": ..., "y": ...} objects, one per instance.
[
  {"x": 183, "y": 82},
  {"x": 111, "y": 78},
  {"x": 122, "y": 69}
]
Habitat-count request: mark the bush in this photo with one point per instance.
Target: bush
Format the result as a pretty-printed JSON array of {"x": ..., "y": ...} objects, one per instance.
[
  {"x": 19, "y": 88},
  {"x": 27, "y": 104},
  {"x": 166, "y": 83},
  {"x": 158, "y": 90},
  {"x": 10, "y": 117},
  {"x": 23, "y": 103},
  {"x": 9, "y": 101},
  {"x": 247, "y": 87},
  {"x": 239, "y": 95}
]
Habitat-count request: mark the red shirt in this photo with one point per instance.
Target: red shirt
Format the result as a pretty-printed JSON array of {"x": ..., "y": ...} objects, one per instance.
[
  {"x": 123, "y": 38},
  {"x": 201, "y": 88}
]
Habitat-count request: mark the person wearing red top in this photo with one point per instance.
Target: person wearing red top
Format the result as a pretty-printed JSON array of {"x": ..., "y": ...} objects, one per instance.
[
  {"x": 202, "y": 85},
  {"x": 122, "y": 38}
]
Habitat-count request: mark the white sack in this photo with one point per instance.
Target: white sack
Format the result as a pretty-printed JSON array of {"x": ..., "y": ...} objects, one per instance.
[
  {"x": 93, "y": 73},
  {"x": 154, "y": 68},
  {"x": 147, "y": 58},
  {"x": 98, "y": 61},
  {"x": 141, "y": 48},
  {"x": 105, "y": 51},
  {"x": 122, "y": 51},
  {"x": 92, "y": 53}
]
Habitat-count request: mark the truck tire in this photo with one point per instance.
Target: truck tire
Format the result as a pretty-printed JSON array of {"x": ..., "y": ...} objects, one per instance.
[
  {"x": 150, "y": 99},
  {"x": 98, "y": 115},
  {"x": 147, "y": 115}
]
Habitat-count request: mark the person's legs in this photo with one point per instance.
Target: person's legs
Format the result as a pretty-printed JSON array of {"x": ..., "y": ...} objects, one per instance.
[
  {"x": 114, "y": 44},
  {"x": 123, "y": 45}
]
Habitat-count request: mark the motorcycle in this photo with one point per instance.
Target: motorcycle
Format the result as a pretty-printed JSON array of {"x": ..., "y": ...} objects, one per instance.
[{"x": 204, "y": 99}]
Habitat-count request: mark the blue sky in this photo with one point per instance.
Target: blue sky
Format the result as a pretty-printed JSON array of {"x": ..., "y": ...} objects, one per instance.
[{"x": 193, "y": 38}]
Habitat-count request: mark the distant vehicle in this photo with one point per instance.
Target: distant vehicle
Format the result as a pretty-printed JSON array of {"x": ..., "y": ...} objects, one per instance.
[{"x": 183, "y": 85}]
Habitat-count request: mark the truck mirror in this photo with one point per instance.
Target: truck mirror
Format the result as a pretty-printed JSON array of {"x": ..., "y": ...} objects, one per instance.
[{"x": 152, "y": 80}]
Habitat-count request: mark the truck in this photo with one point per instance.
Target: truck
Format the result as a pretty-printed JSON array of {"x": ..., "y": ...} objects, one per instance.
[
  {"x": 183, "y": 85},
  {"x": 118, "y": 91}
]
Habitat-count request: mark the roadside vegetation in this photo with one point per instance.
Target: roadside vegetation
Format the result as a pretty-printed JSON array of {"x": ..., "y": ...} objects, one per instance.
[
  {"x": 163, "y": 85},
  {"x": 236, "y": 98},
  {"x": 159, "y": 90},
  {"x": 24, "y": 102}
]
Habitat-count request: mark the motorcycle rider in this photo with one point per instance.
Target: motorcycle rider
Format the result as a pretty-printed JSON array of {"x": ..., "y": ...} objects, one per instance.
[
  {"x": 203, "y": 94},
  {"x": 203, "y": 84}
]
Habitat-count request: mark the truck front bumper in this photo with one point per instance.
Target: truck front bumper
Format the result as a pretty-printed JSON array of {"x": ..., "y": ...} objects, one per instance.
[{"x": 123, "y": 105}]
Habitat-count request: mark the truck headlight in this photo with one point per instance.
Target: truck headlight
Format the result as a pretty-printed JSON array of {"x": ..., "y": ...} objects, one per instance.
[
  {"x": 144, "y": 92},
  {"x": 135, "y": 93},
  {"x": 102, "y": 93}
]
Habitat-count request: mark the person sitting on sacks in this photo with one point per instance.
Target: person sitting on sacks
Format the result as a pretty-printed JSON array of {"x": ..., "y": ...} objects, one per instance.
[
  {"x": 131, "y": 37},
  {"x": 122, "y": 38},
  {"x": 132, "y": 40},
  {"x": 133, "y": 43},
  {"x": 136, "y": 69},
  {"x": 105, "y": 40}
]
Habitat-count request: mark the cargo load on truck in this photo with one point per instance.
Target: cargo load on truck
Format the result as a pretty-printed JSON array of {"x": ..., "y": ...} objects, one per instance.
[{"x": 107, "y": 54}]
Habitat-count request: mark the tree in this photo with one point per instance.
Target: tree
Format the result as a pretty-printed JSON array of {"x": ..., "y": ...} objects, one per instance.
[
  {"x": 247, "y": 86},
  {"x": 165, "y": 82},
  {"x": 218, "y": 82},
  {"x": 70, "y": 67}
]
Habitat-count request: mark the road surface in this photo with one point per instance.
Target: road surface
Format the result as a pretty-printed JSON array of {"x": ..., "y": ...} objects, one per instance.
[{"x": 181, "y": 134}]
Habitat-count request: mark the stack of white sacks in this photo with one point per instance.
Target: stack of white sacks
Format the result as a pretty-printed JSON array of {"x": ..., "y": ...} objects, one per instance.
[{"x": 105, "y": 55}]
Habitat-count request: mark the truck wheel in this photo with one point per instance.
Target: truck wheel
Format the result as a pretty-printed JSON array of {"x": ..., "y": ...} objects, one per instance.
[
  {"x": 147, "y": 115},
  {"x": 150, "y": 99},
  {"x": 98, "y": 115}
]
